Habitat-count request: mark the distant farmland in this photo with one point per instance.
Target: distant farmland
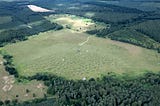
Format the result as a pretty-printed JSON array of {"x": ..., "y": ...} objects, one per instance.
[{"x": 60, "y": 53}]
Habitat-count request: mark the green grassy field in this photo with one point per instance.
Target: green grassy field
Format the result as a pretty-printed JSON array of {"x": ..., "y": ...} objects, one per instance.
[
  {"x": 60, "y": 53},
  {"x": 9, "y": 87}
]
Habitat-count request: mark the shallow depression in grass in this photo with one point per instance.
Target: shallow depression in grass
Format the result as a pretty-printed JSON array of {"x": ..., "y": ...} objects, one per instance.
[{"x": 59, "y": 52}]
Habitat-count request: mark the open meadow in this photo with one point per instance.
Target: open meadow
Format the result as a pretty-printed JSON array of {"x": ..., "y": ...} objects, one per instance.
[
  {"x": 76, "y": 23},
  {"x": 75, "y": 55}
]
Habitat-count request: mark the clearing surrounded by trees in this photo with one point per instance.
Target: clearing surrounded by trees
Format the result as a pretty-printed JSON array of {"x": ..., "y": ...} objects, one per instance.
[
  {"x": 58, "y": 52},
  {"x": 76, "y": 23},
  {"x": 79, "y": 53}
]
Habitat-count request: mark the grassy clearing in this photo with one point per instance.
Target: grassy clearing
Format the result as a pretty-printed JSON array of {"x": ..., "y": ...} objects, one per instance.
[
  {"x": 5, "y": 19},
  {"x": 76, "y": 23},
  {"x": 59, "y": 53},
  {"x": 9, "y": 87}
]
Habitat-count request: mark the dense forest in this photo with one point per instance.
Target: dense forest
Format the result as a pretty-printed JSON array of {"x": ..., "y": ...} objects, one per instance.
[
  {"x": 106, "y": 91},
  {"x": 149, "y": 28},
  {"x": 23, "y": 23},
  {"x": 12, "y": 35}
]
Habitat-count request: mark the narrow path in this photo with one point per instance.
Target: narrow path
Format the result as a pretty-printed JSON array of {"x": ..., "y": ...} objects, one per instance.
[{"x": 81, "y": 44}]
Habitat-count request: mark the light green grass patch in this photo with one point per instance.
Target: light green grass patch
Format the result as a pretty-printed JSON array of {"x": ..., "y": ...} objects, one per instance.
[
  {"x": 90, "y": 14},
  {"x": 59, "y": 53},
  {"x": 76, "y": 23}
]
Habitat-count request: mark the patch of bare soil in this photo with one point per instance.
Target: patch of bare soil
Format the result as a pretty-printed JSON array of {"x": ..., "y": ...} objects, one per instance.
[{"x": 8, "y": 83}]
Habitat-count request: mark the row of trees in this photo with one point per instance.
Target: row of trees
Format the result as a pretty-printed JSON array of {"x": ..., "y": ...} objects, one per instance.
[
  {"x": 20, "y": 34},
  {"x": 150, "y": 28},
  {"x": 129, "y": 36},
  {"x": 34, "y": 102},
  {"x": 9, "y": 102},
  {"x": 9, "y": 67}
]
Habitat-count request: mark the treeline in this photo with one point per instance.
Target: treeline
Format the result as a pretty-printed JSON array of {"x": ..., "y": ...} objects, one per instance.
[
  {"x": 8, "y": 102},
  {"x": 128, "y": 35},
  {"x": 20, "y": 34},
  {"x": 8, "y": 64},
  {"x": 109, "y": 90},
  {"x": 106, "y": 91},
  {"x": 34, "y": 102},
  {"x": 115, "y": 7},
  {"x": 106, "y": 13},
  {"x": 134, "y": 37},
  {"x": 150, "y": 28}
]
